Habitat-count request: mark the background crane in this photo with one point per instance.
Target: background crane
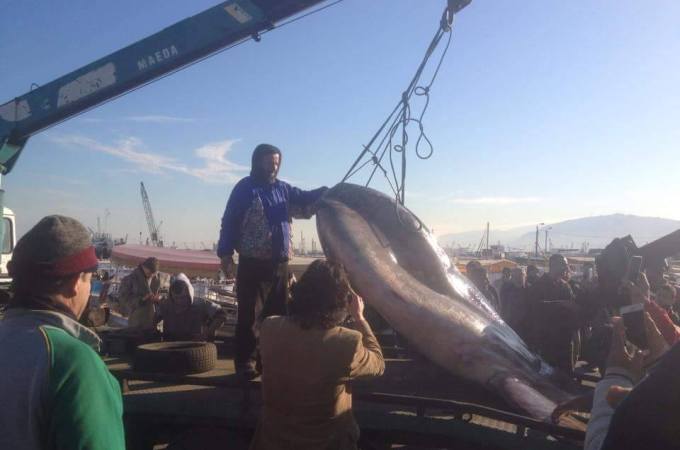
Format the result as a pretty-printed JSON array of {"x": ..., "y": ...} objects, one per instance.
[
  {"x": 169, "y": 50},
  {"x": 154, "y": 236}
]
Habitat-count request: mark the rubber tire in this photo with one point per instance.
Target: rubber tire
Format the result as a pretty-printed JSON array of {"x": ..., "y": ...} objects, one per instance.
[{"x": 181, "y": 357}]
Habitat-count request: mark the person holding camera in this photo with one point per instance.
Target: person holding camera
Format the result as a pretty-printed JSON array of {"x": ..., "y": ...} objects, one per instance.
[
  {"x": 640, "y": 294},
  {"x": 309, "y": 360},
  {"x": 666, "y": 297},
  {"x": 637, "y": 402}
]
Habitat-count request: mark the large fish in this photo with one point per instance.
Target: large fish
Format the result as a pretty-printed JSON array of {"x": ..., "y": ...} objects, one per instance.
[{"x": 395, "y": 263}]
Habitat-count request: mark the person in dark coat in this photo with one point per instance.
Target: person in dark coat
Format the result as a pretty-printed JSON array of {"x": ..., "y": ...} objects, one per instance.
[
  {"x": 532, "y": 275},
  {"x": 514, "y": 306},
  {"x": 504, "y": 283},
  {"x": 554, "y": 314},
  {"x": 187, "y": 318},
  {"x": 257, "y": 224},
  {"x": 479, "y": 277}
]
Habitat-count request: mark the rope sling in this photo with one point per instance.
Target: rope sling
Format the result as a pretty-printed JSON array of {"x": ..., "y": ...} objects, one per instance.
[{"x": 392, "y": 137}]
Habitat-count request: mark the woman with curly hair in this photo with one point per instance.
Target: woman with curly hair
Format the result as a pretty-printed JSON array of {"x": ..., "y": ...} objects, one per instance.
[{"x": 308, "y": 361}]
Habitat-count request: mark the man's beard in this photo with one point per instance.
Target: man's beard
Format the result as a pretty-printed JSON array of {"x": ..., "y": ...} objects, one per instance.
[{"x": 265, "y": 176}]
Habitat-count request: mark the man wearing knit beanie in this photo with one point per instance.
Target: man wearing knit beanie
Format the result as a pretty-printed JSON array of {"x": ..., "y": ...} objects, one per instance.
[
  {"x": 56, "y": 390},
  {"x": 138, "y": 296},
  {"x": 152, "y": 264}
]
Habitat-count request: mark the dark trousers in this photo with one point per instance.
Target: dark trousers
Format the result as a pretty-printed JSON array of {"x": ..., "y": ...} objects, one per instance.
[{"x": 263, "y": 283}]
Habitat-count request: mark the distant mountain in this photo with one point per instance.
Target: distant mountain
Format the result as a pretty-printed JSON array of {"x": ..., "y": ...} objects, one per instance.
[{"x": 597, "y": 231}]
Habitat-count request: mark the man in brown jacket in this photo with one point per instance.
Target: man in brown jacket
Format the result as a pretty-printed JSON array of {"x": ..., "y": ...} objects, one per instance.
[
  {"x": 308, "y": 362},
  {"x": 138, "y": 295}
]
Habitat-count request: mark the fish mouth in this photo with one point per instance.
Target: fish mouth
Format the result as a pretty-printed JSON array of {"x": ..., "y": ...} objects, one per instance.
[{"x": 410, "y": 243}]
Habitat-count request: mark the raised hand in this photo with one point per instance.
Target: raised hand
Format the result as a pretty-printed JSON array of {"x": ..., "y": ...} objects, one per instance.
[{"x": 356, "y": 307}]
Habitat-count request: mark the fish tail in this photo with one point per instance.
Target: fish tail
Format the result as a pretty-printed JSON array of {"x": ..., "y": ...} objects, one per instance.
[
  {"x": 526, "y": 398},
  {"x": 535, "y": 403}
]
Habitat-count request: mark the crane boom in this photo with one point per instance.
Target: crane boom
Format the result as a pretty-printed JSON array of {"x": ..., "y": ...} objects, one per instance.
[
  {"x": 160, "y": 54},
  {"x": 153, "y": 228},
  {"x": 168, "y": 50}
]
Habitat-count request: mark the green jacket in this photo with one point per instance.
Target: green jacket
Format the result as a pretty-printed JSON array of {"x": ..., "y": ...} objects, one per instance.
[{"x": 56, "y": 391}]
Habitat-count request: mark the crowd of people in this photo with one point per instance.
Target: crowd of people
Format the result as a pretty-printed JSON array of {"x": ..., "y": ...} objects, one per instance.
[
  {"x": 561, "y": 317},
  {"x": 57, "y": 393},
  {"x": 564, "y": 320}
]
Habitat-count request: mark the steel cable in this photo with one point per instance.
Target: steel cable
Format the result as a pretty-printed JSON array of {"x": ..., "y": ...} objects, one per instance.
[{"x": 399, "y": 120}]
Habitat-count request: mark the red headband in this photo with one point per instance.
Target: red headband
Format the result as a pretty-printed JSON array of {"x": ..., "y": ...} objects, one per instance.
[{"x": 83, "y": 261}]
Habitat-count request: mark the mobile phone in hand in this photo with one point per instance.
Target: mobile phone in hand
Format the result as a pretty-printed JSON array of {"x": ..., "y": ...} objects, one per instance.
[
  {"x": 634, "y": 268},
  {"x": 634, "y": 320}
]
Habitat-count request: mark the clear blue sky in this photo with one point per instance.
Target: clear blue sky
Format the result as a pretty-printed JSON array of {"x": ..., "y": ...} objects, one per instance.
[{"x": 544, "y": 110}]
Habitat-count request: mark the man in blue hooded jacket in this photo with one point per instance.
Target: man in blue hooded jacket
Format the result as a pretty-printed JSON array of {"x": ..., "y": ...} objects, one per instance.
[{"x": 257, "y": 225}]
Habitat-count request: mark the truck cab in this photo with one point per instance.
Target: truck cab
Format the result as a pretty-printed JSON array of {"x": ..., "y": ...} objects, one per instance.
[{"x": 9, "y": 239}]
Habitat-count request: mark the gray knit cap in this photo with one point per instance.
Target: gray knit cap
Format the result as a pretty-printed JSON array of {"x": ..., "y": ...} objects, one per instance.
[
  {"x": 56, "y": 246},
  {"x": 152, "y": 264}
]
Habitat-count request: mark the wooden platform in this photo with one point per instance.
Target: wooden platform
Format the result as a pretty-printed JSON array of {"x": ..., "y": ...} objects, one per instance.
[{"x": 414, "y": 403}]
